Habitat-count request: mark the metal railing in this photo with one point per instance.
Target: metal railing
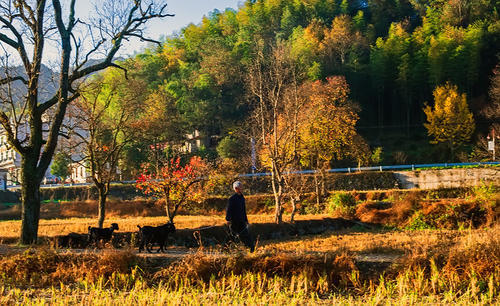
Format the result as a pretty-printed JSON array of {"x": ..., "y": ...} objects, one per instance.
[{"x": 378, "y": 168}]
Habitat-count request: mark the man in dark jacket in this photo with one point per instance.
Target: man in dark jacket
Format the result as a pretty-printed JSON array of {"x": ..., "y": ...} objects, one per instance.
[{"x": 236, "y": 216}]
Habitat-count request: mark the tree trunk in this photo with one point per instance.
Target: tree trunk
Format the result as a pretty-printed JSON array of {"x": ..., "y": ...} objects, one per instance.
[
  {"x": 452, "y": 152},
  {"x": 294, "y": 209},
  {"x": 277, "y": 191},
  {"x": 102, "y": 206},
  {"x": 30, "y": 192},
  {"x": 408, "y": 117},
  {"x": 380, "y": 110},
  {"x": 317, "y": 189},
  {"x": 167, "y": 205},
  {"x": 167, "y": 209},
  {"x": 323, "y": 179}
]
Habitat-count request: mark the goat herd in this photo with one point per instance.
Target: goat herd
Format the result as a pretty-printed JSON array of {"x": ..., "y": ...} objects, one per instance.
[{"x": 147, "y": 236}]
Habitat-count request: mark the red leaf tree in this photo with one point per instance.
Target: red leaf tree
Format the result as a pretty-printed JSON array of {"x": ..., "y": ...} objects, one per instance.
[{"x": 175, "y": 183}]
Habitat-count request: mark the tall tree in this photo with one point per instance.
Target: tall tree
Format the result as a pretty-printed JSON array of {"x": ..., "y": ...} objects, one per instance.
[
  {"x": 329, "y": 132},
  {"x": 272, "y": 84},
  {"x": 28, "y": 29},
  {"x": 104, "y": 120},
  {"x": 340, "y": 40},
  {"x": 492, "y": 112}
]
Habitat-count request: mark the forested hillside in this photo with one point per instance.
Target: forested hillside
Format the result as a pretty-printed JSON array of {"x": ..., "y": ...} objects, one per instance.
[{"x": 393, "y": 54}]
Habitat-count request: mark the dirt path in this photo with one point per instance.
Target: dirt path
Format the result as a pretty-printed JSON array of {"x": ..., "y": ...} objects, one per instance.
[
  {"x": 378, "y": 258},
  {"x": 177, "y": 253}
]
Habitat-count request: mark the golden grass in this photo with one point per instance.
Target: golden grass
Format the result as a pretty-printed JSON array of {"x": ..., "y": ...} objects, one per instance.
[
  {"x": 367, "y": 242},
  {"x": 436, "y": 267},
  {"x": 265, "y": 278},
  {"x": 459, "y": 267},
  {"x": 211, "y": 295},
  {"x": 404, "y": 243}
]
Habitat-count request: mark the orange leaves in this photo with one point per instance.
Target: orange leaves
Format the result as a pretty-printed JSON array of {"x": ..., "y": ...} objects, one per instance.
[
  {"x": 327, "y": 95},
  {"x": 316, "y": 127},
  {"x": 173, "y": 180},
  {"x": 339, "y": 39},
  {"x": 330, "y": 128}
]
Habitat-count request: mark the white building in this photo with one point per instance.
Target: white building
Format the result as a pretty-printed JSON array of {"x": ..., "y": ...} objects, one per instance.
[
  {"x": 80, "y": 173},
  {"x": 10, "y": 164}
]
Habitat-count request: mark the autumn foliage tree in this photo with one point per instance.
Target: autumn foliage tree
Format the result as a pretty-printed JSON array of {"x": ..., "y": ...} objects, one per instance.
[
  {"x": 340, "y": 41},
  {"x": 330, "y": 129},
  {"x": 104, "y": 120},
  {"x": 174, "y": 182},
  {"x": 449, "y": 121}
]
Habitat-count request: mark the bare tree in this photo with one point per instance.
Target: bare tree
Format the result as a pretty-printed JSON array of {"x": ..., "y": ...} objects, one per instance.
[
  {"x": 492, "y": 112},
  {"x": 28, "y": 30},
  {"x": 272, "y": 84}
]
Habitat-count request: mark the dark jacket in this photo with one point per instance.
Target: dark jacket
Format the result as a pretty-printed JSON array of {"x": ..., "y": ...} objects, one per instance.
[{"x": 236, "y": 210}]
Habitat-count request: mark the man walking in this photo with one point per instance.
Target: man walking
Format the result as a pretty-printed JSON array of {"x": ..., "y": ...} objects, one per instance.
[{"x": 236, "y": 216}]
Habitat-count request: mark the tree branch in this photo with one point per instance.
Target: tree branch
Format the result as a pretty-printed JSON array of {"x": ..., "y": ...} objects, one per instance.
[
  {"x": 125, "y": 71},
  {"x": 8, "y": 80},
  {"x": 4, "y": 120},
  {"x": 19, "y": 45},
  {"x": 128, "y": 30},
  {"x": 142, "y": 38},
  {"x": 53, "y": 101}
]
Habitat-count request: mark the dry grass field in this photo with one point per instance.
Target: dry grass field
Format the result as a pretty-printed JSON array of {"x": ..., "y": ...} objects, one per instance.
[
  {"x": 431, "y": 267},
  {"x": 419, "y": 251}
]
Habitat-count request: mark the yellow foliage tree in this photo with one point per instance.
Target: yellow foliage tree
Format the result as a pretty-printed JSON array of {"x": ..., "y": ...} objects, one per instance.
[
  {"x": 450, "y": 120},
  {"x": 332, "y": 118},
  {"x": 329, "y": 131}
]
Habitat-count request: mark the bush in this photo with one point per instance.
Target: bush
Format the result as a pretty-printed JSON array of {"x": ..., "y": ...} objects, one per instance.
[
  {"x": 311, "y": 208},
  {"x": 418, "y": 222},
  {"x": 484, "y": 193},
  {"x": 341, "y": 202},
  {"x": 230, "y": 147}
]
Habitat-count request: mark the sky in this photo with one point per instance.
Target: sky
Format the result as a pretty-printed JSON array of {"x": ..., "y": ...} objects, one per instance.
[{"x": 188, "y": 11}]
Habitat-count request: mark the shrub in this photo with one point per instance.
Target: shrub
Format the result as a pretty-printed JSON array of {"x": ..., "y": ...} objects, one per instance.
[
  {"x": 377, "y": 156},
  {"x": 230, "y": 147},
  {"x": 341, "y": 202},
  {"x": 311, "y": 208},
  {"x": 485, "y": 192},
  {"x": 418, "y": 222}
]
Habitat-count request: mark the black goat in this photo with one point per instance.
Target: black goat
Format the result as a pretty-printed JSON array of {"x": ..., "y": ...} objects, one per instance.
[
  {"x": 154, "y": 234},
  {"x": 71, "y": 240},
  {"x": 101, "y": 234}
]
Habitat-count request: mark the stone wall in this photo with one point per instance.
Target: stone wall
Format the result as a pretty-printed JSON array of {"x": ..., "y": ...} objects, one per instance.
[{"x": 448, "y": 178}]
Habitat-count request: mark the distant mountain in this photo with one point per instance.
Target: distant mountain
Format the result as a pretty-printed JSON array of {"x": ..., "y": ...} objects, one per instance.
[{"x": 48, "y": 84}]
